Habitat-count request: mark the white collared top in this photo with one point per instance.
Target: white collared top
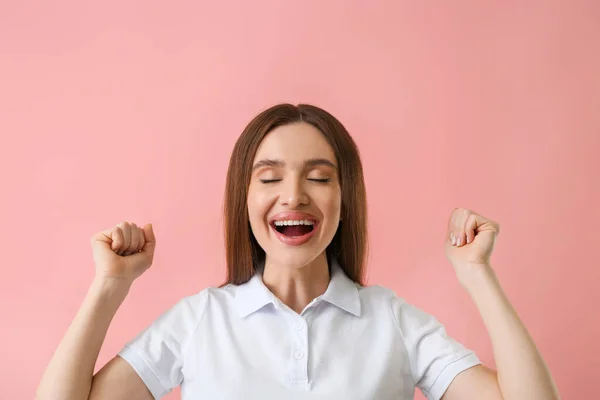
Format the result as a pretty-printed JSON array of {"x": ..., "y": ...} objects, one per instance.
[{"x": 352, "y": 342}]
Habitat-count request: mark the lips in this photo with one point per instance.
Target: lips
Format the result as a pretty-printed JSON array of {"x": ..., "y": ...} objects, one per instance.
[{"x": 294, "y": 228}]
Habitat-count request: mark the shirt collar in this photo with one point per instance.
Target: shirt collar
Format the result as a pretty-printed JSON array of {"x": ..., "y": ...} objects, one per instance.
[
  {"x": 252, "y": 296},
  {"x": 341, "y": 292}
]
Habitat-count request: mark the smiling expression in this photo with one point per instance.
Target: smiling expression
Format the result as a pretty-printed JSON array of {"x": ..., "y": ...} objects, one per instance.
[{"x": 294, "y": 197}]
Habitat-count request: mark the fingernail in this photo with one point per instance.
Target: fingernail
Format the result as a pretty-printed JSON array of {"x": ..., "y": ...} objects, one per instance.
[
  {"x": 458, "y": 242},
  {"x": 453, "y": 240}
]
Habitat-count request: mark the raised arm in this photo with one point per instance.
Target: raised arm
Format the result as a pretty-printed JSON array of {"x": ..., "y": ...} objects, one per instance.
[
  {"x": 522, "y": 372},
  {"x": 121, "y": 254}
]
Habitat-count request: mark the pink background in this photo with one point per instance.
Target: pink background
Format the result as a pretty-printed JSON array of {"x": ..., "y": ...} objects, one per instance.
[{"x": 129, "y": 110}]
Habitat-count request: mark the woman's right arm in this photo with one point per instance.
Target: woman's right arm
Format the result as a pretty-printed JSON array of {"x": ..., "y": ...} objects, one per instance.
[{"x": 121, "y": 254}]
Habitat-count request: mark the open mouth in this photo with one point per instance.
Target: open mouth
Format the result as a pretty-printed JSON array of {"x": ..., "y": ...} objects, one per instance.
[{"x": 294, "y": 228}]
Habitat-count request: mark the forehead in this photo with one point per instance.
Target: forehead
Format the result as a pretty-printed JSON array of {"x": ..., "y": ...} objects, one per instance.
[{"x": 295, "y": 142}]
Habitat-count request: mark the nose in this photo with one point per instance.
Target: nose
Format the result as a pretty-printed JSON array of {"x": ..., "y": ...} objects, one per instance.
[{"x": 293, "y": 194}]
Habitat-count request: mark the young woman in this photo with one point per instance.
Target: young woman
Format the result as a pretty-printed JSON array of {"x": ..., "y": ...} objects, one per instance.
[{"x": 295, "y": 320}]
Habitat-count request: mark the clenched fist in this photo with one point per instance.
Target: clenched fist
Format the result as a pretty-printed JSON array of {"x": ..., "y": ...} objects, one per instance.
[{"x": 124, "y": 251}]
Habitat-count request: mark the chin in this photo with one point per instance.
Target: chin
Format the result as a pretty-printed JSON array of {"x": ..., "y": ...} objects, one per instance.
[{"x": 294, "y": 258}]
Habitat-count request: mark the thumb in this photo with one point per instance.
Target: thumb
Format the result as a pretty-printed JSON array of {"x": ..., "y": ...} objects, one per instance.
[
  {"x": 483, "y": 224},
  {"x": 150, "y": 244}
]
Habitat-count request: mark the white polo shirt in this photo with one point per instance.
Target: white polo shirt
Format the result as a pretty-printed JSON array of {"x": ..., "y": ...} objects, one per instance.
[{"x": 352, "y": 342}]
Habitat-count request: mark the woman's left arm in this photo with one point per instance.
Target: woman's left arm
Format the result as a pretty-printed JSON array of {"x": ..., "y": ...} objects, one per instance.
[{"x": 522, "y": 372}]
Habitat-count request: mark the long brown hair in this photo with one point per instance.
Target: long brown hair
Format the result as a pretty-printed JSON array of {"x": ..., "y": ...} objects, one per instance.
[{"x": 349, "y": 245}]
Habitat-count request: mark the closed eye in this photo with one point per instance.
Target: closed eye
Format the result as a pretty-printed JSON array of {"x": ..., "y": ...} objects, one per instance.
[
  {"x": 269, "y": 180},
  {"x": 320, "y": 180}
]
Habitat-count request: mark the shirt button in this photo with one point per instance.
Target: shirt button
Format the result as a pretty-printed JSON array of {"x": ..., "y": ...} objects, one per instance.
[
  {"x": 299, "y": 355},
  {"x": 299, "y": 326}
]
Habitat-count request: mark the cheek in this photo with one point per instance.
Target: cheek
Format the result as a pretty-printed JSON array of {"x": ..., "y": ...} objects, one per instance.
[
  {"x": 336, "y": 198},
  {"x": 331, "y": 203},
  {"x": 258, "y": 206},
  {"x": 334, "y": 208}
]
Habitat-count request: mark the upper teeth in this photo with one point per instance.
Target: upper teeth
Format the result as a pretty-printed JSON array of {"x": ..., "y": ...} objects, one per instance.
[{"x": 294, "y": 222}]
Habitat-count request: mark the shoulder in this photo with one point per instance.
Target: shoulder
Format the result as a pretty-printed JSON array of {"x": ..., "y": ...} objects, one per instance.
[
  {"x": 197, "y": 303},
  {"x": 375, "y": 296},
  {"x": 182, "y": 318},
  {"x": 379, "y": 296},
  {"x": 405, "y": 315}
]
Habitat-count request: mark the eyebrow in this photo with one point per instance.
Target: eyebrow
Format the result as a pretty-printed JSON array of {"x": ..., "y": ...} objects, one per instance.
[{"x": 311, "y": 162}]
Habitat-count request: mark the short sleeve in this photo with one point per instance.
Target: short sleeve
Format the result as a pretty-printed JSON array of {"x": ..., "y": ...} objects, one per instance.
[
  {"x": 435, "y": 358},
  {"x": 156, "y": 354}
]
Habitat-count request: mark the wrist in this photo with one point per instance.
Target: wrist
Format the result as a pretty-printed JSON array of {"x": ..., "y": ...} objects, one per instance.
[
  {"x": 475, "y": 276},
  {"x": 107, "y": 287}
]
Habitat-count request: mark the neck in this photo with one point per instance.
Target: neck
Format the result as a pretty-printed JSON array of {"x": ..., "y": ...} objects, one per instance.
[{"x": 297, "y": 287}]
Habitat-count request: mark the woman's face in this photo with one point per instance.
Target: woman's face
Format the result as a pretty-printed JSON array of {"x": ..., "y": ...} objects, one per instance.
[{"x": 294, "y": 198}]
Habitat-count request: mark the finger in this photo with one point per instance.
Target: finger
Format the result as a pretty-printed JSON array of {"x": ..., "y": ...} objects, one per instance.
[
  {"x": 142, "y": 242},
  {"x": 454, "y": 238},
  {"x": 484, "y": 224},
  {"x": 116, "y": 235},
  {"x": 147, "y": 251},
  {"x": 457, "y": 237},
  {"x": 471, "y": 227},
  {"x": 126, "y": 229},
  {"x": 150, "y": 239},
  {"x": 134, "y": 240},
  {"x": 461, "y": 238},
  {"x": 459, "y": 218}
]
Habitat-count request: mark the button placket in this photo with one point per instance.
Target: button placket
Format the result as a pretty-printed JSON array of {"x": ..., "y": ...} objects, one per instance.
[{"x": 299, "y": 336}]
